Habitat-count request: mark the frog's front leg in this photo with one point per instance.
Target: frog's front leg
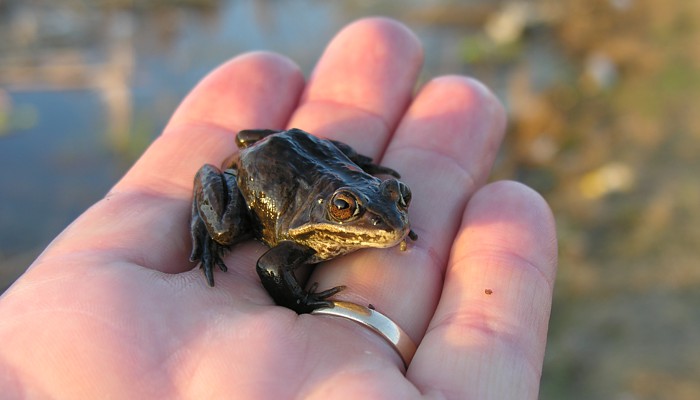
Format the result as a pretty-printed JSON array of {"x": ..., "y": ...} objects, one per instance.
[
  {"x": 219, "y": 218},
  {"x": 276, "y": 270}
]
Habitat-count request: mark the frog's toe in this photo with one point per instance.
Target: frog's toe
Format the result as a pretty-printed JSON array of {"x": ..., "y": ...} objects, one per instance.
[
  {"x": 307, "y": 308},
  {"x": 313, "y": 300},
  {"x": 326, "y": 293},
  {"x": 212, "y": 256},
  {"x": 208, "y": 272},
  {"x": 221, "y": 264}
]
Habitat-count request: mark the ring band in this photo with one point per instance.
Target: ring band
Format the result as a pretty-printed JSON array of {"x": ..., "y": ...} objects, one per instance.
[{"x": 376, "y": 321}]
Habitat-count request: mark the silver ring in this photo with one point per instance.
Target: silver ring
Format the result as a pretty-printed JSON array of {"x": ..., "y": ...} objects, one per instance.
[{"x": 376, "y": 321}]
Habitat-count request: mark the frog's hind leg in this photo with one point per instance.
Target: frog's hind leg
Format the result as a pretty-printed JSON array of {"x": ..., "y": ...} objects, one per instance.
[
  {"x": 219, "y": 218},
  {"x": 363, "y": 161}
]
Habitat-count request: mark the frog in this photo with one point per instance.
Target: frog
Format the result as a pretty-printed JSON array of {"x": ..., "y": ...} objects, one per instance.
[{"x": 308, "y": 199}]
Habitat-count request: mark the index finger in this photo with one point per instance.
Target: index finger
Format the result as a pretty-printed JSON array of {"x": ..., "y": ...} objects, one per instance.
[
  {"x": 144, "y": 218},
  {"x": 361, "y": 85}
]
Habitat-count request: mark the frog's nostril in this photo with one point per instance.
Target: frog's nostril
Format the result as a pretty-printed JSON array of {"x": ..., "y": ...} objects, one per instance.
[{"x": 376, "y": 220}]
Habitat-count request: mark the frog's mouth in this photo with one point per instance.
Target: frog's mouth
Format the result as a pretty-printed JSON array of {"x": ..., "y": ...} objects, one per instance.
[{"x": 350, "y": 236}]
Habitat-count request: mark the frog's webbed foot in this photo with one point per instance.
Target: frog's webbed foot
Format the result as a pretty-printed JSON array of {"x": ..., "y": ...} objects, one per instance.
[
  {"x": 314, "y": 299},
  {"x": 364, "y": 162},
  {"x": 276, "y": 271},
  {"x": 218, "y": 218}
]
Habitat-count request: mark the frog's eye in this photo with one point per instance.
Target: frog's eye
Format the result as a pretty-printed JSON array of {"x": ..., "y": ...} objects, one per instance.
[{"x": 344, "y": 206}]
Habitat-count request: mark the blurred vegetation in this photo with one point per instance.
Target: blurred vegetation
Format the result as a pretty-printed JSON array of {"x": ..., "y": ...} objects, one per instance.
[
  {"x": 612, "y": 142},
  {"x": 600, "y": 95}
]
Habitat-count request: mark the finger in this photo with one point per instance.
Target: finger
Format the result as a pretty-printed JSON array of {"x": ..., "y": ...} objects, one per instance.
[
  {"x": 254, "y": 90},
  {"x": 145, "y": 218},
  {"x": 444, "y": 149},
  {"x": 491, "y": 323},
  {"x": 361, "y": 85}
]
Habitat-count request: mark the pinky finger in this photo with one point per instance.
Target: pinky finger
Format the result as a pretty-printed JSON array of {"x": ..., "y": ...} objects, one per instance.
[{"x": 487, "y": 337}]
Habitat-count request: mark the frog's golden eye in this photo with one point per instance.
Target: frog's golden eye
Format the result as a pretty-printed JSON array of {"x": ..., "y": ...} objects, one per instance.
[{"x": 344, "y": 206}]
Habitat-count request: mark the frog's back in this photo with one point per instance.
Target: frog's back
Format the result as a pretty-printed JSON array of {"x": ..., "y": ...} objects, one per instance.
[{"x": 293, "y": 157}]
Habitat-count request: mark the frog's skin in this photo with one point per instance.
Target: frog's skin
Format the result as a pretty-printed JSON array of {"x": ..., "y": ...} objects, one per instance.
[{"x": 308, "y": 199}]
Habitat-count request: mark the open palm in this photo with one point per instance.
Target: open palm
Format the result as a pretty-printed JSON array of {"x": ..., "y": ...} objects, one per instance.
[{"x": 113, "y": 307}]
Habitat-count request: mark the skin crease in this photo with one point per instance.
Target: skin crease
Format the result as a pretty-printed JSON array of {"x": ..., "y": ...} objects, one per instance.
[{"x": 113, "y": 308}]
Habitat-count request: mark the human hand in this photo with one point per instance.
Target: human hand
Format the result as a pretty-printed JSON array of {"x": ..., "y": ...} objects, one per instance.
[{"x": 113, "y": 308}]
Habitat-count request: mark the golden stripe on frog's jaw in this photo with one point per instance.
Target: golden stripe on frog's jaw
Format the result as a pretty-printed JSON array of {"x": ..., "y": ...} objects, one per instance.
[{"x": 330, "y": 240}]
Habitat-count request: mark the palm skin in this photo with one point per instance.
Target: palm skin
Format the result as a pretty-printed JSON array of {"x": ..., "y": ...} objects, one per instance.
[{"x": 114, "y": 307}]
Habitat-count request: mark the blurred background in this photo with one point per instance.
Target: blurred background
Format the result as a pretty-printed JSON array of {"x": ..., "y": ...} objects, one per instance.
[{"x": 601, "y": 96}]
